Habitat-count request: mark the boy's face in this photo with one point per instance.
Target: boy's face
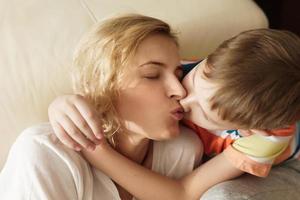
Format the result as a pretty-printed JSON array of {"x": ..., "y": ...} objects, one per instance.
[{"x": 196, "y": 104}]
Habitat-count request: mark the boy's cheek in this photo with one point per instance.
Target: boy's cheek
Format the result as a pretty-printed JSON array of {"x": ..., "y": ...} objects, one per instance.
[{"x": 198, "y": 121}]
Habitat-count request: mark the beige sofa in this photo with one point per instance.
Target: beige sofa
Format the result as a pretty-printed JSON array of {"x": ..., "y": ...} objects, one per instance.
[{"x": 38, "y": 38}]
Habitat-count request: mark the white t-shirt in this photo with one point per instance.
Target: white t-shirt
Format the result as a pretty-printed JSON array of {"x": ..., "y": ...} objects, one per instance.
[{"x": 39, "y": 166}]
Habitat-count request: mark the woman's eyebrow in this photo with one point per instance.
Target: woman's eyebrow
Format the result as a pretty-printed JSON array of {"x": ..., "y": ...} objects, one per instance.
[
  {"x": 153, "y": 63},
  {"x": 158, "y": 64}
]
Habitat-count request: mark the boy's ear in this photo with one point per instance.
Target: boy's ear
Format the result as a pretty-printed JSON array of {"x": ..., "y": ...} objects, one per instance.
[{"x": 253, "y": 131}]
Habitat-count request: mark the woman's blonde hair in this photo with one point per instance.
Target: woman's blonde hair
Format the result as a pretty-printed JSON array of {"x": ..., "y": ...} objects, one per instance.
[{"x": 103, "y": 55}]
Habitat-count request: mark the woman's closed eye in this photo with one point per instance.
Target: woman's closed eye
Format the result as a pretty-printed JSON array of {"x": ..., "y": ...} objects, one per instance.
[
  {"x": 150, "y": 74},
  {"x": 152, "y": 77}
]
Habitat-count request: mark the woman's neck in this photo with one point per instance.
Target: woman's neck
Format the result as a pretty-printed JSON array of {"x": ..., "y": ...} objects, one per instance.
[{"x": 133, "y": 146}]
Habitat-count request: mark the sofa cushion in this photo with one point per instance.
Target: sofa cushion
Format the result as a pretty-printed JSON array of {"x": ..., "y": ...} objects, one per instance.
[{"x": 282, "y": 183}]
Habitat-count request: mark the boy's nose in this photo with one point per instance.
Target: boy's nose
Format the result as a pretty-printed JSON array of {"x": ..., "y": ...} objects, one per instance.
[{"x": 186, "y": 102}]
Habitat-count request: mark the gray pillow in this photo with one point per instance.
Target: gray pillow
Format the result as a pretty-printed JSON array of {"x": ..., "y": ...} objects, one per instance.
[{"x": 283, "y": 183}]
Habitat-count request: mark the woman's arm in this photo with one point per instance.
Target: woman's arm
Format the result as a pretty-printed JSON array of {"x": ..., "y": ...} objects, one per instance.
[{"x": 146, "y": 184}]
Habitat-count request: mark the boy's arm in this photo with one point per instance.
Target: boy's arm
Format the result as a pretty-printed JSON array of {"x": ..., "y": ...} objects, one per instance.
[
  {"x": 75, "y": 122},
  {"x": 212, "y": 172},
  {"x": 146, "y": 184}
]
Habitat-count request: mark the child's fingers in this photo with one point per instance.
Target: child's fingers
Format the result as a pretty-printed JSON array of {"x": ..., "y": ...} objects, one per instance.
[
  {"x": 64, "y": 137},
  {"x": 73, "y": 132},
  {"x": 91, "y": 117},
  {"x": 81, "y": 123}
]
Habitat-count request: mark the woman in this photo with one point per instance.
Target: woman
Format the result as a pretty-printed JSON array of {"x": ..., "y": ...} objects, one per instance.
[{"x": 127, "y": 67}]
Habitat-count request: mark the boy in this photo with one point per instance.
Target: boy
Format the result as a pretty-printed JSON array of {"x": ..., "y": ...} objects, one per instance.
[{"x": 248, "y": 87}]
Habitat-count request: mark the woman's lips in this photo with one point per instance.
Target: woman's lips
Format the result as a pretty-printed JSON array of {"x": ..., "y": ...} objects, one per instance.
[{"x": 177, "y": 114}]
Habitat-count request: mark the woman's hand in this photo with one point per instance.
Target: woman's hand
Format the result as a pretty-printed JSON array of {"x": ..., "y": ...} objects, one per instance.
[{"x": 75, "y": 122}]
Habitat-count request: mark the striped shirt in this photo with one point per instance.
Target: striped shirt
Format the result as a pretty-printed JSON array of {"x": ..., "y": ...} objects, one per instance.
[{"x": 254, "y": 154}]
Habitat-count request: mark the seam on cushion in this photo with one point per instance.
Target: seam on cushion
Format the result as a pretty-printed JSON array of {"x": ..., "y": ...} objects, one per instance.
[{"x": 89, "y": 11}]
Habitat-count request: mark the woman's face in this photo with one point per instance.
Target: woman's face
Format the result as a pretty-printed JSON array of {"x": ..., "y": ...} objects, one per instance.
[
  {"x": 197, "y": 105},
  {"x": 149, "y": 98}
]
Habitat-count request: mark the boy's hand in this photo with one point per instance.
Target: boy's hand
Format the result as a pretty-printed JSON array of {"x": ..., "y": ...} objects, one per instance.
[{"x": 75, "y": 122}]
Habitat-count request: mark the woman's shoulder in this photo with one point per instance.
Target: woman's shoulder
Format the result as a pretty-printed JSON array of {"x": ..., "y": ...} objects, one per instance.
[
  {"x": 40, "y": 148},
  {"x": 33, "y": 135},
  {"x": 37, "y": 161},
  {"x": 35, "y": 131},
  {"x": 39, "y": 141}
]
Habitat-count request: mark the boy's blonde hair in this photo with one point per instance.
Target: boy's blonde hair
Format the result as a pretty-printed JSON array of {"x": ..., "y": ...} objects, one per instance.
[
  {"x": 258, "y": 75},
  {"x": 102, "y": 57}
]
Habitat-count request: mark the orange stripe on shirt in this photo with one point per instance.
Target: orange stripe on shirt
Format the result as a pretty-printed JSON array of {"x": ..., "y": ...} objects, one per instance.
[
  {"x": 213, "y": 144},
  {"x": 283, "y": 131},
  {"x": 244, "y": 163}
]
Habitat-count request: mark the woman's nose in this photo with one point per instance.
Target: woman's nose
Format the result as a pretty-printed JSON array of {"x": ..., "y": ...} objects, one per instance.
[{"x": 176, "y": 90}]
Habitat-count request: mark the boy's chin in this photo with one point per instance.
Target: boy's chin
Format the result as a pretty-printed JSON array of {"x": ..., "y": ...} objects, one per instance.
[{"x": 205, "y": 126}]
